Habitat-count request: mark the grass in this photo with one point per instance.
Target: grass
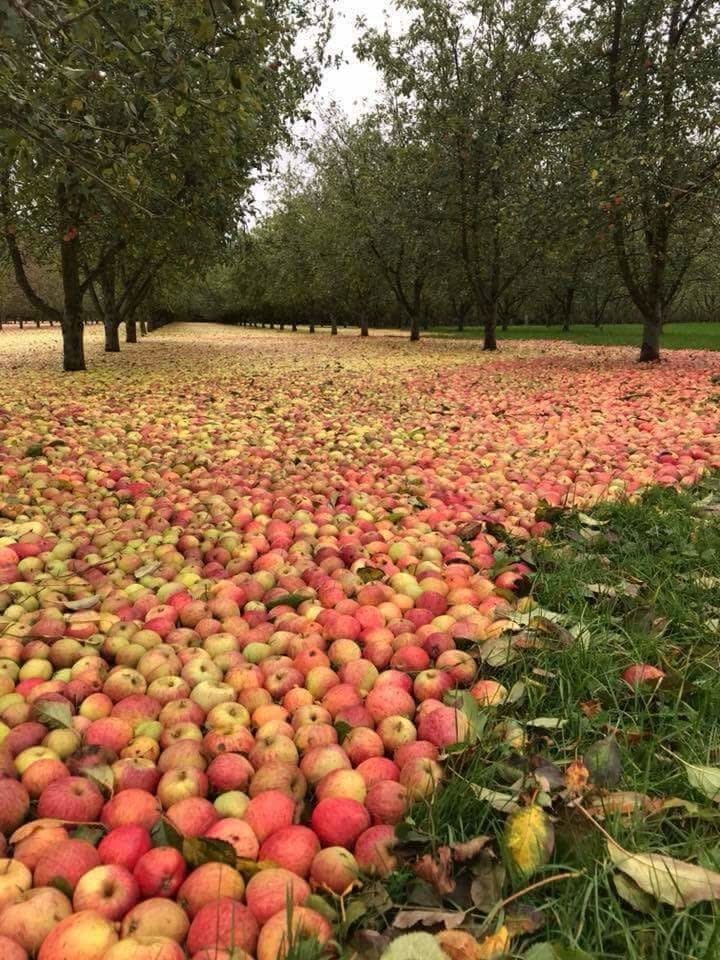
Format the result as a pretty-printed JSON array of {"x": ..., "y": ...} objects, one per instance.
[
  {"x": 661, "y": 556},
  {"x": 678, "y": 336}
]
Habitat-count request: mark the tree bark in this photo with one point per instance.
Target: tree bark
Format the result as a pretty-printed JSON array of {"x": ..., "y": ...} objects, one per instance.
[
  {"x": 490, "y": 325},
  {"x": 652, "y": 328},
  {"x": 112, "y": 337},
  {"x": 311, "y": 328},
  {"x": 73, "y": 329},
  {"x": 364, "y": 327},
  {"x": 131, "y": 329},
  {"x": 333, "y": 326},
  {"x": 414, "y": 328},
  {"x": 111, "y": 320},
  {"x": 143, "y": 329},
  {"x": 294, "y": 326}
]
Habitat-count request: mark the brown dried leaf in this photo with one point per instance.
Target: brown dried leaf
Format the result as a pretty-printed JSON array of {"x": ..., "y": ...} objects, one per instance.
[
  {"x": 469, "y": 849},
  {"x": 407, "y": 919},
  {"x": 438, "y": 873},
  {"x": 671, "y": 881}
]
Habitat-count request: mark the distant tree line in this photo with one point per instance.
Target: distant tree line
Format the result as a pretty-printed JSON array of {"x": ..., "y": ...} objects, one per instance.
[{"x": 526, "y": 165}]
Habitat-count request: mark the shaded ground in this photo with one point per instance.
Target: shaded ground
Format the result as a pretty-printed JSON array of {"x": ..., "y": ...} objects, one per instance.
[{"x": 679, "y": 336}]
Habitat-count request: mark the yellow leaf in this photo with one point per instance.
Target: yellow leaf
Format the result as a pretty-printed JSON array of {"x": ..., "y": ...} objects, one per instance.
[
  {"x": 594, "y": 174},
  {"x": 530, "y": 838},
  {"x": 494, "y": 946}
]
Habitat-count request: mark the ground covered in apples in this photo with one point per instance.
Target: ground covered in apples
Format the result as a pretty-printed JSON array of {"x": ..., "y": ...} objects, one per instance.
[{"x": 276, "y": 627}]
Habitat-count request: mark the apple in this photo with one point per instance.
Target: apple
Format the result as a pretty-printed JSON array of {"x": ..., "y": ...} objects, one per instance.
[
  {"x": 208, "y": 882},
  {"x": 108, "y": 890},
  {"x": 181, "y": 783},
  {"x": 292, "y": 847},
  {"x": 269, "y": 891},
  {"x": 232, "y": 803},
  {"x": 39, "y": 774},
  {"x": 14, "y": 804},
  {"x": 339, "y": 821},
  {"x": 193, "y": 816},
  {"x": 85, "y": 935},
  {"x": 71, "y": 798},
  {"x": 269, "y": 811},
  {"x": 160, "y": 872},
  {"x": 444, "y": 726},
  {"x": 334, "y": 869},
  {"x": 489, "y": 693},
  {"x": 156, "y": 917},
  {"x": 124, "y": 845},
  {"x": 284, "y": 929},
  {"x": 378, "y": 768},
  {"x": 29, "y": 921},
  {"x": 11, "y": 949},
  {"x": 131, "y": 807},
  {"x": 68, "y": 861},
  {"x": 15, "y": 879},
  {"x": 40, "y": 838},
  {"x": 643, "y": 674},
  {"x": 421, "y": 777},
  {"x": 342, "y": 783},
  {"x": 388, "y": 700},
  {"x": 319, "y": 761},
  {"x": 373, "y": 850},
  {"x": 145, "y": 948},
  {"x": 361, "y": 743},
  {"x": 387, "y": 801},
  {"x": 223, "y": 923},
  {"x": 239, "y": 834},
  {"x": 396, "y": 731}
]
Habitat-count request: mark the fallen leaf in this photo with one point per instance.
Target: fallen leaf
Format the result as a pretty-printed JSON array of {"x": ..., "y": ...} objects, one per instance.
[
  {"x": 576, "y": 777},
  {"x": 407, "y": 919},
  {"x": 629, "y": 891},
  {"x": 704, "y": 779},
  {"x": 486, "y": 888},
  {"x": 604, "y": 762},
  {"x": 494, "y": 946},
  {"x": 671, "y": 881},
  {"x": 547, "y": 723},
  {"x": 521, "y": 920},
  {"x": 469, "y": 849},
  {"x": 529, "y": 838},
  {"x": 498, "y": 651},
  {"x": 84, "y": 603},
  {"x": 623, "y": 802},
  {"x": 504, "y": 802},
  {"x": 591, "y": 708},
  {"x": 437, "y": 871},
  {"x": 551, "y": 950}
]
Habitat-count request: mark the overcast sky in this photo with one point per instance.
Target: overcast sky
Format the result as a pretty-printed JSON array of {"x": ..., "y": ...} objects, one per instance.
[{"x": 353, "y": 84}]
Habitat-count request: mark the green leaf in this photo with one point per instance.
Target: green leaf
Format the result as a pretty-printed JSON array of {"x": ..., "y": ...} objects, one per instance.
[
  {"x": 164, "y": 834},
  {"x": 199, "y": 850},
  {"x": 552, "y": 950},
  {"x": 288, "y": 600},
  {"x": 631, "y": 893},
  {"x": 34, "y": 450},
  {"x": 342, "y": 729},
  {"x": 88, "y": 833},
  {"x": 370, "y": 574},
  {"x": 604, "y": 762},
  {"x": 55, "y": 716},
  {"x": 103, "y": 776},
  {"x": 61, "y": 884}
]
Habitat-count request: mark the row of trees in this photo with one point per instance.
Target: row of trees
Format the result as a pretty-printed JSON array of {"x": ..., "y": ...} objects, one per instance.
[
  {"x": 529, "y": 160},
  {"x": 129, "y": 138}
]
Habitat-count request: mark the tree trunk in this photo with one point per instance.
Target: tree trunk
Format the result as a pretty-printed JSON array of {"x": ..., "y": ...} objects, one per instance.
[
  {"x": 490, "y": 340},
  {"x": 73, "y": 329},
  {"x": 461, "y": 324},
  {"x": 73, "y": 346},
  {"x": 112, "y": 336},
  {"x": 143, "y": 328},
  {"x": 130, "y": 329},
  {"x": 364, "y": 327},
  {"x": 294, "y": 326},
  {"x": 414, "y": 328},
  {"x": 333, "y": 326},
  {"x": 311, "y": 328},
  {"x": 652, "y": 328}
]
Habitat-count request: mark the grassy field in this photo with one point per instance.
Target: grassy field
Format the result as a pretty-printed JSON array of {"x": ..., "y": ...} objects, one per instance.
[
  {"x": 680, "y": 336},
  {"x": 641, "y": 586}
]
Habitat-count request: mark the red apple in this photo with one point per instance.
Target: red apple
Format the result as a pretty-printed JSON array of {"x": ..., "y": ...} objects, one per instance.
[
  {"x": 125, "y": 845},
  {"x": 270, "y": 890},
  {"x": 291, "y": 847},
  {"x": 339, "y": 822},
  {"x": 108, "y": 890},
  {"x": 224, "y": 923},
  {"x": 160, "y": 872}
]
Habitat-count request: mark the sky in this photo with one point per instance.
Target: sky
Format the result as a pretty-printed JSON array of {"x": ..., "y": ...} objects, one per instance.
[{"x": 352, "y": 85}]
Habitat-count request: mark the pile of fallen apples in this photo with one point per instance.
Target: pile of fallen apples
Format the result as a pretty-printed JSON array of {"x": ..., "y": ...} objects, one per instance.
[{"x": 255, "y": 686}]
